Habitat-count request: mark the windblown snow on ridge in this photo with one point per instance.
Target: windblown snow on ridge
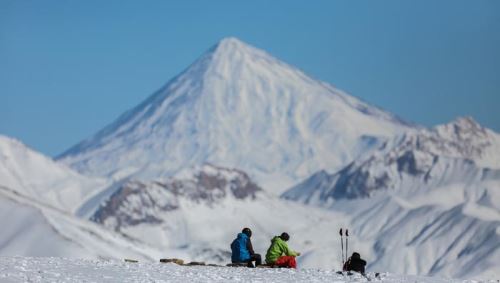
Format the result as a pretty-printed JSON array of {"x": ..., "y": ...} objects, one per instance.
[{"x": 458, "y": 152}]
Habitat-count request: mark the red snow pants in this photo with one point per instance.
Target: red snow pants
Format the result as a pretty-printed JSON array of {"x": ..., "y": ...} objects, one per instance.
[{"x": 286, "y": 261}]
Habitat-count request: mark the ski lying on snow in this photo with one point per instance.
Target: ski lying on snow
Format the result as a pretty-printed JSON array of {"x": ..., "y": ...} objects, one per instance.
[
  {"x": 368, "y": 275},
  {"x": 200, "y": 263},
  {"x": 182, "y": 262}
]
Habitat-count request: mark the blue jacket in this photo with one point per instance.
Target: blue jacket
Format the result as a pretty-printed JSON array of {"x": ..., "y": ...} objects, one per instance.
[{"x": 239, "y": 250}]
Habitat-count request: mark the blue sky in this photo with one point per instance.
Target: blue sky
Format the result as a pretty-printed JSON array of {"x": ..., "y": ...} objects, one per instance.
[{"x": 68, "y": 68}]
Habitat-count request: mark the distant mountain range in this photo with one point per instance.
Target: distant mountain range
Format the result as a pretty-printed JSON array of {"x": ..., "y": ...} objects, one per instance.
[
  {"x": 459, "y": 152},
  {"x": 242, "y": 139},
  {"x": 424, "y": 198}
]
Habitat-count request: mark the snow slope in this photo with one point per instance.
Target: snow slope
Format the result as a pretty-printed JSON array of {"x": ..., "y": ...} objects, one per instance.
[
  {"x": 423, "y": 200},
  {"x": 201, "y": 211},
  {"x": 37, "y": 200},
  {"x": 26, "y": 269},
  {"x": 39, "y": 177},
  {"x": 447, "y": 230},
  {"x": 237, "y": 107},
  {"x": 32, "y": 228}
]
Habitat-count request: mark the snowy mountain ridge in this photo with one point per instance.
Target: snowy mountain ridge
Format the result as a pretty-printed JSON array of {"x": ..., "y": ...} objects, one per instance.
[
  {"x": 37, "y": 176},
  {"x": 34, "y": 228},
  {"x": 38, "y": 199},
  {"x": 237, "y": 107},
  {"x": 465, "y": 138},
  {"x": 423, "y": 199},
  {"x": 427, "y": 158}
]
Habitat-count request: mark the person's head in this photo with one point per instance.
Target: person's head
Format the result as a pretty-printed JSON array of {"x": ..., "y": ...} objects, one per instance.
[
  {"x": 284, "y": 236},
  {"x": 355, "y": 255},
  {"x": 247, "y": 232}
]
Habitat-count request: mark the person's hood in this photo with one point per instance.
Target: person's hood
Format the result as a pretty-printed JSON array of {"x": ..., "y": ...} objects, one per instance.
[
  {"x": 242, "y": 236},
  {"x": 276, "y": 238}
]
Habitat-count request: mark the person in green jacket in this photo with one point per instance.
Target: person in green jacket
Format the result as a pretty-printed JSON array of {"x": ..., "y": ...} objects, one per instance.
[{"x": 279, "y": 254}]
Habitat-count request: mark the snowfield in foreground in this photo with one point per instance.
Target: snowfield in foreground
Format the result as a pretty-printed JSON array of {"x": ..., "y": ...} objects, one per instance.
[{"x": 31, "y": 269}]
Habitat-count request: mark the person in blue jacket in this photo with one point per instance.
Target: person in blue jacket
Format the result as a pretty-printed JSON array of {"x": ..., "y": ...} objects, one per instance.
[{"x": 242, "y": 249}]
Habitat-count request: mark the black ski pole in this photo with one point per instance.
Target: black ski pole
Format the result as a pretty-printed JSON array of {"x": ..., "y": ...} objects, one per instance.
[
  {"x": 346, "y": 244},
  {"x": 342, "y": 247}
]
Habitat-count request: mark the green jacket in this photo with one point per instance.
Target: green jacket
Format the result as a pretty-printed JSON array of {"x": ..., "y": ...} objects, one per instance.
[{"x": 278, "y": 248}]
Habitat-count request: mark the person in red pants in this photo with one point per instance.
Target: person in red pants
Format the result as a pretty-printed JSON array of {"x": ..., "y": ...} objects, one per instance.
[{"x": 279, "y": 254}]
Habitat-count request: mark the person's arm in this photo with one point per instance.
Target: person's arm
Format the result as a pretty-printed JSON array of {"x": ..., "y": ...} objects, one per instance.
[
  {"x": 250, "y": 247},
  {"x": 287, "y": 251}
]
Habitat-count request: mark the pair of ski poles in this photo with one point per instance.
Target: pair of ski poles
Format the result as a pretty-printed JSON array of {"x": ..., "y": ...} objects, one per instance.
[{"x": 346, "y": 245}]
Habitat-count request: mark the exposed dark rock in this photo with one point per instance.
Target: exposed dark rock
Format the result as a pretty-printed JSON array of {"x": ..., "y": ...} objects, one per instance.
[
  {"x": 407, "y": 163},
  {"x": 138, "y": 202}
]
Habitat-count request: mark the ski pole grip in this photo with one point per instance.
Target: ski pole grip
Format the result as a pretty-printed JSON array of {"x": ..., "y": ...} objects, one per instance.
[
  {"x": 346, "y": 232},
  {"x": 340, "y": 232}
]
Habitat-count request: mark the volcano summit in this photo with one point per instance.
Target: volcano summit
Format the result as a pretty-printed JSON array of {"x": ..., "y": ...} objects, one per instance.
[{"x": 238, "y": 107}]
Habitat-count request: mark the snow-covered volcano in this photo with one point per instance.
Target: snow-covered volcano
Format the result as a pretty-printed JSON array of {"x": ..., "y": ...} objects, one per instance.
[{"x": 237, "y": 107}]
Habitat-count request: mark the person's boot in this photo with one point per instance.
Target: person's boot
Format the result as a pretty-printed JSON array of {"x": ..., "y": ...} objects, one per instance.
[{"x": 258, "y": 260}]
